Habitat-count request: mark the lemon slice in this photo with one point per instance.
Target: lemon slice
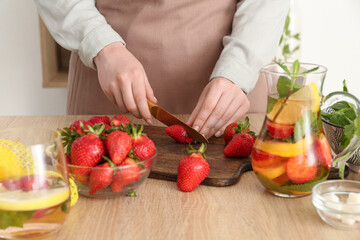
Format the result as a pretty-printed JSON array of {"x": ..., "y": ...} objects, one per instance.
[
  {"x": 283, "y": 149},
  {"x": 15, "y": 159},
  {"x": 74, "y": 195},
  {"x": 299, "y": 102},
  {"x": 33, "y": 200}
]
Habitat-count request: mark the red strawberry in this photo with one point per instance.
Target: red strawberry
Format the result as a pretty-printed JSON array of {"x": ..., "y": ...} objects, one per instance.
[
  {"x": 100, "y": 177},
  {"x": 44, "y": 212},
  {"x": 192, "y": 169},
  {"x": 118, "y": 120},
  {"x": 178, "y": 133},
  {"x": 118, "y": 144},
  {"x": 127, "y": 174},
  {"x": 261, "y": 159},
  {"x": 100, "y": 119},
  {"x": 237, "y": 127},
  {"x": 86, "y": 151},
  {"x": 230, "y": 132},
  {"x": 240, "y": 145},
  {"x": 279, "y": 130},
  {"x": 300, "y": 169},
  {"x": 322, "y": 151},
  {"x": 77, "y": 126},
  {"x": 144, "y": 147}
]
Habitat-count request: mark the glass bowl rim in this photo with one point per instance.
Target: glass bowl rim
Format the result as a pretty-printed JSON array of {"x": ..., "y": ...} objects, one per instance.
[{"x": 317, "y": 196}]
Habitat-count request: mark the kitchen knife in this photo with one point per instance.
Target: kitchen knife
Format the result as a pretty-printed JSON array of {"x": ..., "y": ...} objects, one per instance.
[{"x": 168, "y": 119}]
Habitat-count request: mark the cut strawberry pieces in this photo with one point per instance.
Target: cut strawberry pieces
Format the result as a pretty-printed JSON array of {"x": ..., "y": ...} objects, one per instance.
[
  {"x": 178, "y": 133},
  {"x": 276, "y": 130},
  {"x": 301, "y": 169},
  {"x": 322, "y": 151}
]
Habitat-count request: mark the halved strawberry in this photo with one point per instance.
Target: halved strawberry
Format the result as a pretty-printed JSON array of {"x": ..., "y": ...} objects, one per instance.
[
  {"x": 279, "y": 130},
  {"x": 322, "y": 151},
  {"x": 261, "y": 159},
  {"x": 301, "y": 169}
]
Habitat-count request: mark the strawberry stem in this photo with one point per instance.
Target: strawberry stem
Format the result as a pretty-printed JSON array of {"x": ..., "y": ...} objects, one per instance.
[
  {"x": 109, "y": 161},
  {"x": 201, "y": 150}
]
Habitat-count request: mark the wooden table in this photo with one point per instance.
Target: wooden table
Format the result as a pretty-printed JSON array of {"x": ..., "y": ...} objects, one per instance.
[{"x": 161, "y": 211}]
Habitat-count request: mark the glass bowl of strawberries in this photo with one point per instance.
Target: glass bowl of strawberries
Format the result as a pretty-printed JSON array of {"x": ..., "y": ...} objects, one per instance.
[{"x": 108, "y": 158}]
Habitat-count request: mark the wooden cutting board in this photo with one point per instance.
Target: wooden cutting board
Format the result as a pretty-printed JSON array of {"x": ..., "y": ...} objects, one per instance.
[{"x": 223, "y": 171}]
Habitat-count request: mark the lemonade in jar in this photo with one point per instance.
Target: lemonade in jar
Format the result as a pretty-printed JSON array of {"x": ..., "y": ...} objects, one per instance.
[
  {"x": 34, "y": 186},
  {"x": 291, "y": 153}
]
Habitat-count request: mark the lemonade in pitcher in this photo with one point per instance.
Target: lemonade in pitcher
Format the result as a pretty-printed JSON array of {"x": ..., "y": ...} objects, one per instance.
[
  {"x": 291, "y": 153},
  {"x": 34, "y": 186}
]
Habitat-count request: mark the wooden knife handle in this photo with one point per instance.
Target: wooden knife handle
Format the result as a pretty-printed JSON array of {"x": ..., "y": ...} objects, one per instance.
[{"x": 151, "y": 104}]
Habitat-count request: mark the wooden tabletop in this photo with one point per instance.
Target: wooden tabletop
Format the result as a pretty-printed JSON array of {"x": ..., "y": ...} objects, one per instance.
[{"x": 161, "y": 211}]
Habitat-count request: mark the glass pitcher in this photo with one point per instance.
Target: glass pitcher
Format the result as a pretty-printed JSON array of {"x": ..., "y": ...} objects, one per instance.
[{"x": 291, "y": 153}]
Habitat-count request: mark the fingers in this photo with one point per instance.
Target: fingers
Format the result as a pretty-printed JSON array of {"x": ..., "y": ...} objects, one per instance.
[
  {"x": 207, "y": 108},
  {"x": 149, "y": 92},
  {"x": 197, "y": 108},
  {"x": 139, "y": 93}
]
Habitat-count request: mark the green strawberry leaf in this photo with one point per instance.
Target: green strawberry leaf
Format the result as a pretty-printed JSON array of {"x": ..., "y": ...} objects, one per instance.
[
  {"x": 283, "y": 86},
  {"x": 131, "y": 194},
  {"x": 268, "y": 184},
  {"x": 14, "y": 219},
  {"x": 306, "y": 187}
]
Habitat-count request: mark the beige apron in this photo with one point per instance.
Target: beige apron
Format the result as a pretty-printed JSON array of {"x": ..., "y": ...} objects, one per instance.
[{"x": 178, "y": 43}]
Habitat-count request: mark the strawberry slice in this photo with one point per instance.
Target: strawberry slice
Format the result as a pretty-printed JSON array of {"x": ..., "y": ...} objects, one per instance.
[
  {"x": 261, "y": 159},
  {"x": 276, "y": 130},
  {"x": 322, "y": 151},
  {"x": 301, "y": 169}
]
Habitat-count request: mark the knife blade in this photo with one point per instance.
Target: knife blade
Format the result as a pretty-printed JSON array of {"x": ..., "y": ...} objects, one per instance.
[{"x": 168, "y": 119}]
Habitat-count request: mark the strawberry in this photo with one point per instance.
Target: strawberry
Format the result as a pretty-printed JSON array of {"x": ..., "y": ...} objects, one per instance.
[
  {"x": 127, "y": 174},
  {"x": 237, "y": 127},
  {"x": 300, "y": 169},
  {"x": 230, "y": 132},
  {"x": 118, "y": 144},
  {"x": 86, "y": 151},
  {"x": 118, "y": 120},
  {"x": 101, "y": 177},
  {"x": 178, "y": 133},
  {"x": 144, "y": 147},
  {"x": 240, "y": 145},
  {"x": 322, "y": 151},
  {"x": 44, "y": 212},
  {"x": 26, "y": 183},
  {"x": 276, "y": 130},
  {"x": 261, "y": 159},
  {"x": 192, "y": 169},
  {"x": 100, "y": 119},
  {"x": 76, "y": 126}
]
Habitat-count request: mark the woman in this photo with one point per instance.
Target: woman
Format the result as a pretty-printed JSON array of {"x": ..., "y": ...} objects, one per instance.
[{"x": 128, "y": 51}]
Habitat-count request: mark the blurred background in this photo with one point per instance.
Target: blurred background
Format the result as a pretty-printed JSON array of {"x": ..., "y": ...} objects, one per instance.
[{"x": 33, "y": 68}]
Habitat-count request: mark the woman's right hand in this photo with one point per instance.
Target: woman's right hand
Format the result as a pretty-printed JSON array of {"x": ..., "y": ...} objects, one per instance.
[{"x": 124, "y": 81}]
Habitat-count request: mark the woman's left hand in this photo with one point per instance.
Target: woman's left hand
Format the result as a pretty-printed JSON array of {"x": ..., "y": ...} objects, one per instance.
[{"x": 220, "y": 104}]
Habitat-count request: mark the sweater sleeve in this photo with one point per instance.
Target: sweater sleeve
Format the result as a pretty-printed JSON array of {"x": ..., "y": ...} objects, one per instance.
[
  {"x": 256, "y": 31},
  {"x": 78, "y": 26}
]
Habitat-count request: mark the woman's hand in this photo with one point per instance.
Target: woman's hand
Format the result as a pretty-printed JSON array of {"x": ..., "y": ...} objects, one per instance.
[
  {"x": 220, "y": 104},
  {"x": 124, "y": 81}
]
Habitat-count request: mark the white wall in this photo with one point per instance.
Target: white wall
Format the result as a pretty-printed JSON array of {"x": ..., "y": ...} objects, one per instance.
[
  {"x": 21, "y": 91},
  {"x": 330, "y": 36},
  {"x": 330, "y": 32}
]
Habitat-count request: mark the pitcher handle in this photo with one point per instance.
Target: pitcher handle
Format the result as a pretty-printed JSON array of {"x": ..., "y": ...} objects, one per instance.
[{"x": 354, "y": 144}]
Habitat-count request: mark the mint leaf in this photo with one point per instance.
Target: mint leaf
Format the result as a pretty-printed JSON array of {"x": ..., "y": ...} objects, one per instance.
[
  {"x": 349, "y": 131},
  {"x": 345, "y": 89},
  {"x": 306, "y": 187},
  {"x": 268, "y": 184},
  {"x": 308, "y": 124},
  {"x": 283, "y": 86},
  {"x": 341, "y": 117},
  {"x": 270, "y": 104},
  {"x": 14, "y": 219},
  {"x": 340, "y": 105},
  {"x": 295, "y": 67}
]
